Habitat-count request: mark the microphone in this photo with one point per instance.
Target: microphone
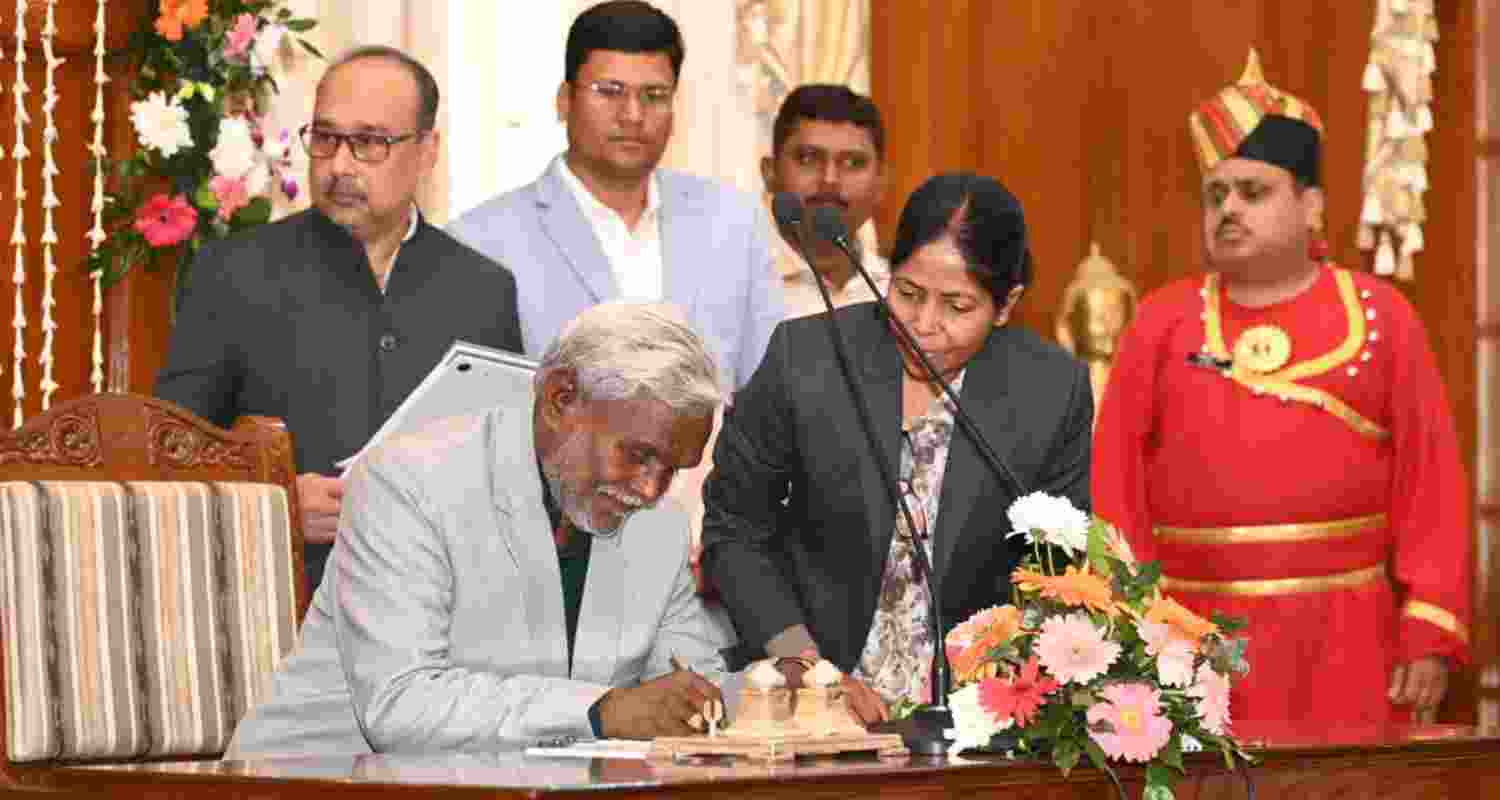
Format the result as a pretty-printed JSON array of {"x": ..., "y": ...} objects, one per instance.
[
  {"x": 923, "y": 732},
  {"x": 787, "y": 209},
  {"x": 829, "y": 225}
]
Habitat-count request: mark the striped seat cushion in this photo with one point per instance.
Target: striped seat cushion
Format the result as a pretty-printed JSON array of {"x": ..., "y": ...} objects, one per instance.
[{"x": 141, "y": 619}]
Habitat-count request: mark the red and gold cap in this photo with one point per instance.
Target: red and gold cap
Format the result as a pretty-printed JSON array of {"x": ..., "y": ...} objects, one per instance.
[{"x": 1253, "y": 119}]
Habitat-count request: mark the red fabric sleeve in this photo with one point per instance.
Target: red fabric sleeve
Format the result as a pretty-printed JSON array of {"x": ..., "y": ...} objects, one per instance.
[{"x": 1429, "y": 514}]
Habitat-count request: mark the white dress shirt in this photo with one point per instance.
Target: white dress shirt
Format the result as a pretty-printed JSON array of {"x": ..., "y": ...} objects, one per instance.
[{"x": 634, "y": 255}]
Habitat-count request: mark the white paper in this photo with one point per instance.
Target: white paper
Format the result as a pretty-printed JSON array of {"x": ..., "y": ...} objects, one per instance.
[
  {"x": 469, "y": 378},
  {"x": 637, "y": 749}
]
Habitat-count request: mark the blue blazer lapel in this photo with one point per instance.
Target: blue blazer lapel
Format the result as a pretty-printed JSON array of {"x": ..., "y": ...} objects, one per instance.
[
  {"x": 517, "y": 489},
  {"x": 563, "y": 222},
  {"x": 686, "y": 254},
  {"x": 968, "y": 477}
]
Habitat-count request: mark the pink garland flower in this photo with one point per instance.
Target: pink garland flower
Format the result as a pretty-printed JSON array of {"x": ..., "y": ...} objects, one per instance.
[
  {"x": 1073, "y": 649},
  {"x": 1212, "y": 691},
  {"x": 237, "y": 40},
  {"x": 1136, "y": 729},
  {"x": 231, "y": 194},
  {"x": 166, "y": 221},
  {"x": 1017, "y": 698}
]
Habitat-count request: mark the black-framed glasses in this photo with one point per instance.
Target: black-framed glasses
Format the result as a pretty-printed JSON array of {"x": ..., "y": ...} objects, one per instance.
[
  {"x": 369, "y": 148},
  {"x": 653, "y": 96}
]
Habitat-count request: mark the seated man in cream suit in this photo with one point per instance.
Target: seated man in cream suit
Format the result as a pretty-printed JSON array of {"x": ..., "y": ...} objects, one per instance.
[{"x": 509, "y": 575}]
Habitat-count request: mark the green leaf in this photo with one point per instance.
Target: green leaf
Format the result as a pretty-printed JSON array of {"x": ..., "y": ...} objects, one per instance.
[
  {"x": 1065, "y": 755},
  {"x": 204, "y": 198},
  {"x": 306, "y": 45},
  {"x": 258, "y": 212},
  {"x": 1096, "y": 755},
  {"x": 1171, "y": 755},
  {"x": 1160, "y": 776},
  {"x": 1156, "y": 792},
  {"x": 301, "y": 25}
]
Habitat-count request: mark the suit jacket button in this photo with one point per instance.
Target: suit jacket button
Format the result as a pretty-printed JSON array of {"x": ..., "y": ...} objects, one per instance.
[{"x": 388, "y": 342}]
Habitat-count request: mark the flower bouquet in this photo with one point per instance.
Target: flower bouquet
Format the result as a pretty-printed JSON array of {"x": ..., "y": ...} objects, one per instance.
[
  {"x": 208, "y": 163},
  {"x": 1092, "y": 659}
]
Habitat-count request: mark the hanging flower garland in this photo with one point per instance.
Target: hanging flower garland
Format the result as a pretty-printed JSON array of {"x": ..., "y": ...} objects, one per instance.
[
  {"x": 1398, "y": 78},
  {"x": 18, "y": 236},
  {"x": 49, "y": 204},
  {"x": 96, "y": 200},
  {"x": 207, "y": 165}
]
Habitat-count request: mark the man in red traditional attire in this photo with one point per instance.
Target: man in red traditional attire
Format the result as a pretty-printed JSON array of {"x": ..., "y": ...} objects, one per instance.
[{"x": 1277, "y": 436}]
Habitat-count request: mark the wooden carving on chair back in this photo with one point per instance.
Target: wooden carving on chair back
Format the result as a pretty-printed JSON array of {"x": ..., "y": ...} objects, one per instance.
[{"x": 132, "y": 437}]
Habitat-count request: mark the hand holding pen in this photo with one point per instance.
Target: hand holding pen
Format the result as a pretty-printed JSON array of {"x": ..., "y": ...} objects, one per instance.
[{"x": 665, "y": 706}]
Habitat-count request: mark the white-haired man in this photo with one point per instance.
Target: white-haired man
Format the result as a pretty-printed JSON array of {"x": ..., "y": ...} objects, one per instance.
[{"x": 509, "y": 575}]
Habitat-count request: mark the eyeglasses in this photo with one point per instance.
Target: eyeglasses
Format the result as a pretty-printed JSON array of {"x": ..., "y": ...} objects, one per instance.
[
  {"x": 653, "y": 97},
  {"x": 369, "y": 148}
]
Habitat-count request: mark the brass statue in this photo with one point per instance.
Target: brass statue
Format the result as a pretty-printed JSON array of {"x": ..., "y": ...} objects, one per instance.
[{"x": 1096, "y": 307}]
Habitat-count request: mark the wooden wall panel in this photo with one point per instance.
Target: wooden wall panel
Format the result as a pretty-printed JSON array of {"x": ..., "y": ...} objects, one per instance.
[
  {"x": 1080, "y": 107},
  {"x": 73, "y": 291}
]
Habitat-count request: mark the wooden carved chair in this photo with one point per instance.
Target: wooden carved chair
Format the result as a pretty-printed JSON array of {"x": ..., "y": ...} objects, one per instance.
[{"x": 150, "y": 580}]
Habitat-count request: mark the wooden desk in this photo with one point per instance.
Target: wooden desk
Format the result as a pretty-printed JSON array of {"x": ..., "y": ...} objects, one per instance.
[{"x": 1406, "y": 762}]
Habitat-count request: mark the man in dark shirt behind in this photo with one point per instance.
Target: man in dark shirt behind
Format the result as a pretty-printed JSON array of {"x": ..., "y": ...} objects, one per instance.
[{"x": 329, "y": 318}]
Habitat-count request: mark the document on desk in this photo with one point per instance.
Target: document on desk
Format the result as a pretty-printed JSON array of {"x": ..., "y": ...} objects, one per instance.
[
  {"x": 469, "y": 378},
  {"x": 637, "y": 749}
]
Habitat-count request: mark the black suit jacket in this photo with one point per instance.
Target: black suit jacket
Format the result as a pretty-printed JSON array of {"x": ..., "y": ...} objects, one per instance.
[
  {"x": 798, "y": 518},
  {"x": 287, "y": 321}
]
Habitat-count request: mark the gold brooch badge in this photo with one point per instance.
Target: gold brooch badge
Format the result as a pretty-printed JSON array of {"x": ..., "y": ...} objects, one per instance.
[{"x": 1263, "y": 349}]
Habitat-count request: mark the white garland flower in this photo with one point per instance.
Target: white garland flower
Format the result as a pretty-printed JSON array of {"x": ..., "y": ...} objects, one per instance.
[
  {"x": 263, "y": 54},
  {"x": 972, "y": 725},
  {"x": 1049, "y": 519},
  {"x": 236, "y": 156},
  {"x": 161, "y": 124}
]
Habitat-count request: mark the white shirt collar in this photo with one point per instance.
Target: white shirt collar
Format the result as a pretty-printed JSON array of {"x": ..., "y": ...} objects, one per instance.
[{"x": 595, "y": 210}]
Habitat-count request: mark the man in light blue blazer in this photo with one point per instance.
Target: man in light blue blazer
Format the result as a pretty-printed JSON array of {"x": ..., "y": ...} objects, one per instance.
[
  {"x": 603, "y": 221},
  {"x": 509, "y": 575}
]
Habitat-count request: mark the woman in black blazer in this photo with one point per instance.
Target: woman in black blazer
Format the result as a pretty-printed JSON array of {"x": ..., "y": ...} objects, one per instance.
[{"x": 801, "y": 536}]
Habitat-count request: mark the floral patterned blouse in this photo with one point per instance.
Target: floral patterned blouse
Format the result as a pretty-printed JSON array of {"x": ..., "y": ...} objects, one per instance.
[{"x": 897, "y": 658}]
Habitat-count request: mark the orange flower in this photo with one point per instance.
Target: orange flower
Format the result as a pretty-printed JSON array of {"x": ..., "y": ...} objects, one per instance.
[
  {"x": 970, "y": 641},
  {"x": 1184, "y": 623},
  {"x": 179, "y": 14},
  {"x": 1074, "y": 587}
]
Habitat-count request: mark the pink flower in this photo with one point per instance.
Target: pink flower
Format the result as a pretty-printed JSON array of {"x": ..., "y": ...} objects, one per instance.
[
  {"x": 237, "y": 40},
  {"x": 1174, "y": 654},
  {"x": 231, "y": 194},
  {"x": 1073, "y": 649},
  {"x": 1017, "y": 698},
  {"x": 1212, "y": 691},
  {"x": 166, "y": 221},
  {"x": 1129, "y": 724}
]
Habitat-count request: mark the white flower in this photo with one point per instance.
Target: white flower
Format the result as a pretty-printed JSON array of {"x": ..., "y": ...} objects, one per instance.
[
  {"x": 972, "y": 725},
  {"x": 161, "y": 124},
  {"x": 1191, "y": 745},
  {"x": 1050, "y": 520},
  {"x": 236, "y": 155},
  {"x": 1174, "y": 655},
  {"x": 267, "y": 46}
]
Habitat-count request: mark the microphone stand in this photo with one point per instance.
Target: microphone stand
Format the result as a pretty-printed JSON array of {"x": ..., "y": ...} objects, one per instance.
[{"x": 923, "y": 732}]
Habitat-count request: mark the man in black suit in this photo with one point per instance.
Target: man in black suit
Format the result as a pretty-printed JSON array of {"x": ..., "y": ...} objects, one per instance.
[{"x": 329, "y": 318}]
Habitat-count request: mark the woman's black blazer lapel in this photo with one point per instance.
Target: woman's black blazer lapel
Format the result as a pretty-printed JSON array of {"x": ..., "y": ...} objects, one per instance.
[{"x": 969, "y": 478}]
